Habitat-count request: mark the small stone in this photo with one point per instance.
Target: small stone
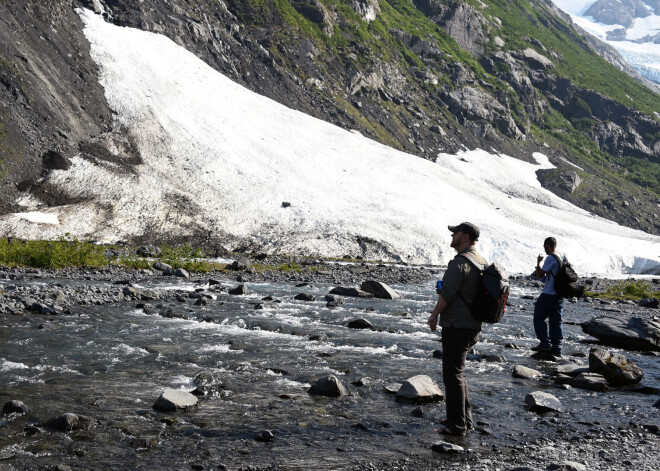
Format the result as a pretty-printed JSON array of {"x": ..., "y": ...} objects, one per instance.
[
  {"x": 417, "y": 412},
  {"x": 239, "y": 290},
  {"x": 437, "y": 354},
  {"x": 520, "y": 371},
  {"x": 540, "y": 402},
  {"x": 328, "y": 386},
  {"x": 265, "y": 436},
  {"x": 360, "y": 324},
  {"x": 15, "y": 407},
  {"x": 172, "y": 400},
  {"x": 444, "y": 447},
  {"x": 420, "y": 388},
  {"x": 304, "y": 297}
]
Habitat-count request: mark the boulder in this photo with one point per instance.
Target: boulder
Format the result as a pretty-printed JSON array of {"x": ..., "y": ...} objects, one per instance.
[
  {"x": 379, "y": 290},
  {"x": 304, "y": 297},
  {"x": 328, "y": 386},
  {"x": 616, "y": 368},
  {"x": 350, "y": 291},
  {"x": 239, "y": 290},
  {"x": 566, "y": 466},
  {"x": 161, "y": 266},
  {"x": 420, "y": 388},
  {"x": 520, "y": 371},
  {"x": 360, "y": 324},
  {"x": 588, "y": 381},
  {"x": 334, "y": 298},
  {"x": 67, "y": 422},
  {"x": 653, "y": 303},
  {"x": 241, "y": 263},
  {"x": 148, "y": 251},
  {"x": 181, "y": 273},
  {"x": 173, "y": 399},
  {"x": 15, "y": 407},
  {"x": 52, "y": 160},
  {"x": 540, "y": 402},
  {"x": 632, "y": 334},
  {"x": 536, "y": 60}
]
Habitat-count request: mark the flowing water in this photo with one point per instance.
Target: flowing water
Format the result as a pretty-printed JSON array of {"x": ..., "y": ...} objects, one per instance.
[{"x": 111, "y": 362}]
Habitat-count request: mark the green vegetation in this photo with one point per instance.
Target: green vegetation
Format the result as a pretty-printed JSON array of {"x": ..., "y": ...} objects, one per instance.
[
  {"x": 65, "y": 252},
  {"x": 627, "y": 290}
]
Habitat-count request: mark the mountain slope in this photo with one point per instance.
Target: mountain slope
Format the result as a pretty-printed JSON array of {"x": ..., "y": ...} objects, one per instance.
[
  {"x": 423, "y": 77},
  {"x": 219, "y": 161}
]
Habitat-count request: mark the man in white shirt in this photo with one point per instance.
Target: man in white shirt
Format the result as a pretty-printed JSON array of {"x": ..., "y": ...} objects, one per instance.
[{"x": 549, "y": 305}]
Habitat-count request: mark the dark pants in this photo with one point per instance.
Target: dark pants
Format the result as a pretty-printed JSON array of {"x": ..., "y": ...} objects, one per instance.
[
  {"x": 550, "y": 307},
  {"x": 455, "y": 346}
]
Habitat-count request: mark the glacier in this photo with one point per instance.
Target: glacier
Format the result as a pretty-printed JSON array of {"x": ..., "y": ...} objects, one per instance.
[{"x": 221, "y": 159}]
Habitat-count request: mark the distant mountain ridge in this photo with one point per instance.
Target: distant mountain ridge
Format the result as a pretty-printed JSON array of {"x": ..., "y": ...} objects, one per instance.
[{"x": 426, "y": 76}]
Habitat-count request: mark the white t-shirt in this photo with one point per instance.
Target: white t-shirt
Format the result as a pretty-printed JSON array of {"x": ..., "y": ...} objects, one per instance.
[{"x": 551, "y": 268}]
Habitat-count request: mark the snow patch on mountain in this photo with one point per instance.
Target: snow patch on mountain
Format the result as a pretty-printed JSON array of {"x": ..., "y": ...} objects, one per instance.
[{"x": 220, "y": 160}]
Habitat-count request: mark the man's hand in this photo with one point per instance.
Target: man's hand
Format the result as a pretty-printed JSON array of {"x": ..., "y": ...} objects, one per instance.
[
  {"x": 433, "y": 322},
  {"x": 539, "y": 259}
]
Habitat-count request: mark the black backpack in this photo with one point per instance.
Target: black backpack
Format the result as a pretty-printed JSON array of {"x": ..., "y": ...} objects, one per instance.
[
  {"x": 566, "y": 284},
  {"x": 489, "y": 303}
]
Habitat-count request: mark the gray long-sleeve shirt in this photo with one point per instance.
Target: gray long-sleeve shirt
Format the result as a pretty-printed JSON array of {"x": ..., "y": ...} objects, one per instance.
[{"x": 461, "y": 277}]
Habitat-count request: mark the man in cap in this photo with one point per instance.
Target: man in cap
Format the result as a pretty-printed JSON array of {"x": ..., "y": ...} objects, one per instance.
[
  {"x": 549, "y": 304},
  {"x": 460, "y": 331}
]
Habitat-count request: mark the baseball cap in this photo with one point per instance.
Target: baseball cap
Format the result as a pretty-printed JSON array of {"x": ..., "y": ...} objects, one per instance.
[{"x": 466, "y": 228}]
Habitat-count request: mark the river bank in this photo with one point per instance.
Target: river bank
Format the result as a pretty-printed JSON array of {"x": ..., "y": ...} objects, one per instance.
[{"x": 123, "y": 336}]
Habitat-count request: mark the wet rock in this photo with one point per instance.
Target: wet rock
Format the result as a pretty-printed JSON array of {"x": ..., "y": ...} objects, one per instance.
[
  {"x": 181, "y": 273},
  {"x": 437, "y": 354},
  {"x": 362, "y": 382},
  {"x": 15, "y": 407},
  {"x": 444, "y": 447},
  {"x": 172, "y": 400},
  {"x": 616, "y": 368},
  {"x": 161, "y": 266},
  {"x": 360, "y": 324},
  {"x": 304, "y": 297},
  {"x": 546, "y": 356},
  {"x": 206, "y": 383},
  {"x": 328, "y": 386},
  {"x": 392, "y": 388},
  {"x": 317, "y": 337},
  {"x": 239, "y": 290},
  {"x": 633, "y": 334},
  {"x": 523, "y": 372},
  {"x": 350, "y": 291},
  {"x": 69, "y": 421},
  {"x": 417, "y": 412},
  {"x": 379, "y": 290},
  {"x": 588, "y": 381},
  {"x": 334, "y": 298},
  {"x": 571, "y": 369},
  {"x": 201, "y": 302},
  {"x": 148, "y": 251},
  {"x": 566, "y": 466},
  {"x": 657, "y": 404},
  {"x": 540, "y": 402},
  {"x": 653, "y": 303},
  {"x": 265, "y": 436},
  {"x": 241, "y": 263},
  {"x": 420, "y": 388}
]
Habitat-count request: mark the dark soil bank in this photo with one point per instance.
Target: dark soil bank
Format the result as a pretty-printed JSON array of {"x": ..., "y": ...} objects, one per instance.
[{"x": 104, "y": 344}]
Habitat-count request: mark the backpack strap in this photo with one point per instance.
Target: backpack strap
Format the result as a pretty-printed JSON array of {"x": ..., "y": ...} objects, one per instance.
[
  {"x": 475, "y": 264},
  {"x": 556, "y": 257}
]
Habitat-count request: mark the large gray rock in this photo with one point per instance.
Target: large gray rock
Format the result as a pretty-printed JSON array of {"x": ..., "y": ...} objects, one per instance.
[
  {"x": 633, "y": 334},
  {"x": 239, "y": 290},
  {"x": 540, "y": 402},
  {"x": 350, "y": 291},
  {"x": 379, "y": 290},
  {"x": 616, "y": 368},
  {"x": 618, "y": 12},
  {"x": 444, "y": 447},
  {"x": 148, "y": 251},
  {"x": 173, "y": 399},
  {"x": 418, "y": 389},
  {"x": 328, "y": 386},
  {"x": 536, "y": 60},
  {"x": 360, "y": 324},
  {"x": 523, "y": 372},
  {"x": 571, "y": 369},
  {"x": 334, "y": 298},
  {"x": 69, "y": 421},
  {"x": 241, "y": 263},
  {"x": 367, "y": 9},
  {"x": 162, "y": 266},
  {"x": 588, "y": 381},
  {"x": 15, "y": 407}
]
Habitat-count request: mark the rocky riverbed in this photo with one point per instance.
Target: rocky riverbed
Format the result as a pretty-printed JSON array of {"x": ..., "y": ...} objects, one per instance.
[{"x": 102, "y": 345}]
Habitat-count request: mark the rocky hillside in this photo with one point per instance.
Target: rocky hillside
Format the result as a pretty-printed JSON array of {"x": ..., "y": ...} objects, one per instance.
[{"x": 424, "y": 76}]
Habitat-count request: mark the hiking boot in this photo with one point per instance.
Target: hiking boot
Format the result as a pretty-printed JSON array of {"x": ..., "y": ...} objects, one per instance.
[
  {"x": 542, "y": 347},
  {"x": 555, "y": 352}
]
